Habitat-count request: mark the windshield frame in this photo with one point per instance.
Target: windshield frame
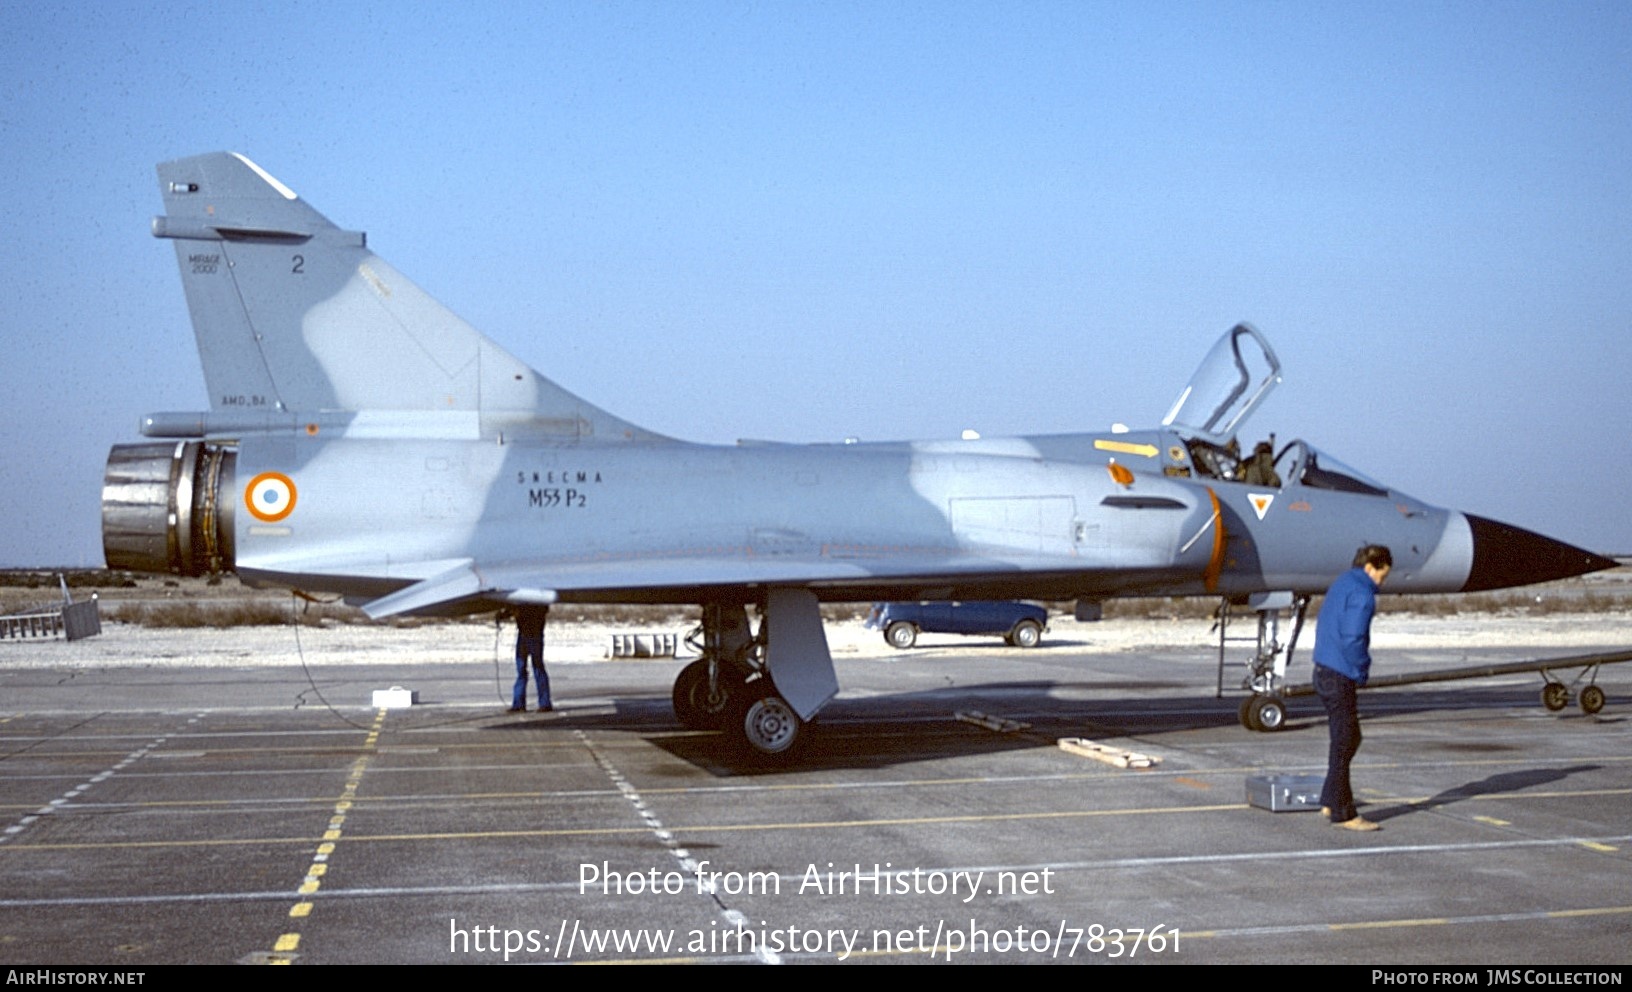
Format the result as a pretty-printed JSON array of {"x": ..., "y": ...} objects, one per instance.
[{"x": 1299, "y": 459}]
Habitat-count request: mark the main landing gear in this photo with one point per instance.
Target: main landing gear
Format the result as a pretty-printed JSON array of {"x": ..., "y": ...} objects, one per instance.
[
  {"x": 760, "y": 691},
  {"x": 707, "y": 690}
]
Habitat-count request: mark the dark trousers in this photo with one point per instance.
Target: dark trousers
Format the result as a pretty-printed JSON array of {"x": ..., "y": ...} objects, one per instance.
[
  {"x": 1338, "y": 692},
  {"x": 530, "y": 650}
]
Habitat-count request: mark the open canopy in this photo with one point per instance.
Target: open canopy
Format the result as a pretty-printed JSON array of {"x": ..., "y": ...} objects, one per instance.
[{"x": 1233, "y": 379}]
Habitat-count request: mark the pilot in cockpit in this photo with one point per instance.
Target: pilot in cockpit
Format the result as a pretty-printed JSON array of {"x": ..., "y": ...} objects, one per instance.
[{"x": 1259, "y": 468}]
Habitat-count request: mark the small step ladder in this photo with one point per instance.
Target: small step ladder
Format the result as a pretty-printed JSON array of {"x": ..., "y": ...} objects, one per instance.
[{"x": 67, "y": 619}]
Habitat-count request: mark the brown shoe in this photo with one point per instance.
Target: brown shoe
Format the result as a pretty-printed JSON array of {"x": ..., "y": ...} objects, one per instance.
[{"x": 1358, "y": 823}]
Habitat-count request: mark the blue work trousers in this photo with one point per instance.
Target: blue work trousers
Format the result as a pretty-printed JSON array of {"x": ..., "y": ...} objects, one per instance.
[
  {"x": 1338, "y": 692},
  {"x": 530, "y": 651}
]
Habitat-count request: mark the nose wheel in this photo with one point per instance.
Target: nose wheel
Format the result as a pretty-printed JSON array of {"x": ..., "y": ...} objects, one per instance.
[{"x": 1263, "y": 713}]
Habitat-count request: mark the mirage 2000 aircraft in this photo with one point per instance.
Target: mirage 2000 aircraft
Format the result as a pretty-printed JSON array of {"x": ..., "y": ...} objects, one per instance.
[{"x": 363, "y": 440}]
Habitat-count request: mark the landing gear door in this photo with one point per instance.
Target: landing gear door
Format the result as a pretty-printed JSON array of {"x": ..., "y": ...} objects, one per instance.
[
  {"x": 1233, "y": 379},
  {"x": 796, "y": 652}
]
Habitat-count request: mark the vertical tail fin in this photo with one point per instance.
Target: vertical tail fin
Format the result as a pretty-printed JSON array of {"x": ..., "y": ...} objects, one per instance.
[{"x": 293, "y": 314}]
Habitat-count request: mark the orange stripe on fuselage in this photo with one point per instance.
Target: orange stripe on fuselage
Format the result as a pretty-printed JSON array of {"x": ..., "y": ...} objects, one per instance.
[{"x": 1215, "y": 564}]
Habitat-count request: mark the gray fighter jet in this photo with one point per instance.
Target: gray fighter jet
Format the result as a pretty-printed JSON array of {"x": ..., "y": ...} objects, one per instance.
[{"x": 363, "y": 440}]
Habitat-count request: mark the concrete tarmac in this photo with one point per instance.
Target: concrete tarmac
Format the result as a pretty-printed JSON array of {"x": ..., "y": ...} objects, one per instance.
[{"x": 267, "y": 814}]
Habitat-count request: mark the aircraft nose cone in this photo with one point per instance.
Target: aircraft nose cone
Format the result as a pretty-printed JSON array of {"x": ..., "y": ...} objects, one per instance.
[{"x": 1504, "y": 556}]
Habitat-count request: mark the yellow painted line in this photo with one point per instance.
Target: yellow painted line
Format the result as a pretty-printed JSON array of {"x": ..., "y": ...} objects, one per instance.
[
  {"x": 705, "y": 793},
  {"x": 643, "y": 742},
  {"x": 206, "y": 751},
  {"x": 1476, "y": 762},
  {"x": 285, "y": 805},
  {"x": 711, "y": 793},
  {"x": 1458, "y": 800},
  {"x": 260, "y": 807},
  {"x": 333, "y": 835},
  {"x": 1593, "y": 845},
  {"x": 1601, "y": 911},
  {"x": 315, "y": 872},
  {"x": 1557, "y": 914},
  {"x": 619, "y": 831},
  {"x": 1493, "y": 821},
  {"x": 1385, "y": 924},
  {"x": 748, "y": 828},
  {"x": 1127, "y": 448}
]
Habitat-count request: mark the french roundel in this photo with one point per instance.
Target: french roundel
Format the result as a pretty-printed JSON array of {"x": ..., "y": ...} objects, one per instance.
[{"x": 270, "y": 496}]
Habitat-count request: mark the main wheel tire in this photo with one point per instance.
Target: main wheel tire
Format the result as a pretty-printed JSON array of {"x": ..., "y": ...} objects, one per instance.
[
  {"x": 771, "y": 730},
  {"x": 1026, "y": 634},
  {"x": 1592, "y": 699},
  {"x": 1271, "y": 715},
  {"x": 1249, "y": 713},
  {"x": 1555, "y": 696},
  {"x": 901, "y": 634},
  {"x": 694, "y": 706}
]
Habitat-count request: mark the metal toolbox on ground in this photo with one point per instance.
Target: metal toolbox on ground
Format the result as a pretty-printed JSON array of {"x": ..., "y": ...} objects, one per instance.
[{"x": 1280, "y": 793}]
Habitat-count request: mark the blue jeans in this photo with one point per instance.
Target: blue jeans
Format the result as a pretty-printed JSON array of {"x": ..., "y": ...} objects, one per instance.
[
  {"x": 1338, "y": 692},
  {"x": 530, "y": 650}
]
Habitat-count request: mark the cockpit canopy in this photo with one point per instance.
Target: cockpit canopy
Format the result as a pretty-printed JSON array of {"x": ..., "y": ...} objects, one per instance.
[
  {"x": 1232, "y": 381},
  {"x": 1299, "y": 462}
]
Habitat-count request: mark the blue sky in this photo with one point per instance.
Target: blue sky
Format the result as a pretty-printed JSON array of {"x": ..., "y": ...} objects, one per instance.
[{"x": 806, "y": 221}]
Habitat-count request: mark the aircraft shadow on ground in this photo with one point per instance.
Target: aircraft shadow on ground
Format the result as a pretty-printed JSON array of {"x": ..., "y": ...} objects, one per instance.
[{"x": 886, "y": 730}]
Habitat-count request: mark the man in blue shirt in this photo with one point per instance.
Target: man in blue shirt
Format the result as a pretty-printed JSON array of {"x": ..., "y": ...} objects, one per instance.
[{"x": 1342, "y": 665}]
